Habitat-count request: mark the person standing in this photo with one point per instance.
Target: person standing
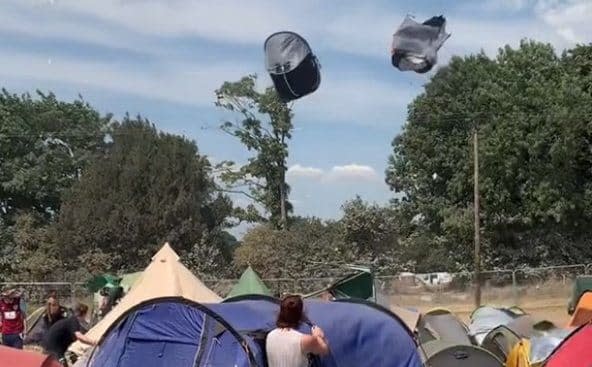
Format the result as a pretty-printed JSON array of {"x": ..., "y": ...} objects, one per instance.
[
  {"x": 64, "y": 332},
  {"x": 287, "y": 347},
  {"x": 54, "y": 311},
  {"x": 12, "y": 319}
]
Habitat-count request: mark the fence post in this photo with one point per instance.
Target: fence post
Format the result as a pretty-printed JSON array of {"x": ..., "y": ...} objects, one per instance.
[
  {"x": 514, "y": 288},
  {"x": 72, "y": 294}
]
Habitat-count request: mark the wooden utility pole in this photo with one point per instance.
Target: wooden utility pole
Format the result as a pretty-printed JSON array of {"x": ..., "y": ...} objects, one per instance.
[{"x": 477, "y": 264}]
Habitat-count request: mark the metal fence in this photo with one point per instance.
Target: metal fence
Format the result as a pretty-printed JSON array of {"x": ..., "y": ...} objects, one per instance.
[{"x": 545, "y": 290}]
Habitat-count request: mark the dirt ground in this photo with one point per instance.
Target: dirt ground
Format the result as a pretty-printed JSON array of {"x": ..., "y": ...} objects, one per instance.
[{"x": 552, "y": 308}]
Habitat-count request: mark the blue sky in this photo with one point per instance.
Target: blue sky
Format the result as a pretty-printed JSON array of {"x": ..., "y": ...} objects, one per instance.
[{"x": 165, "y": 58}]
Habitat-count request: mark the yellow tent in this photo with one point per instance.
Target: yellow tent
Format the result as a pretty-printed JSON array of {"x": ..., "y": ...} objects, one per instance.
[
  {"x": 166, "y": 276},
  {"x": 519, "y": 355}
]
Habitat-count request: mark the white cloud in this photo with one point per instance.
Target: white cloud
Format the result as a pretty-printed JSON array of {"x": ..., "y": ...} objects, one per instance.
[
  {"x": 298, "y": 171},
  {"x": 217, "y": 20},
  {"x": 570, "y": 18},
  {"x": 337, "y": 174},
  {"x": 169, "y": 84},
  {"x": 501, "y": 5},
  {"x": 352, "y": 172}
]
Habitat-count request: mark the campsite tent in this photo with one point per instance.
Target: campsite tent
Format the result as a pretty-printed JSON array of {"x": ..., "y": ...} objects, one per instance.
[
  {"x": 359, "y": 332},
  {"x": 188, "y": 334},
  {"x": 441, "y": 324},
  {"x": 583, "y": 312},
  {"x": 249, "y": 283},
  {"x": 11, "y": 357},
  {"x": 574, "y": 351},
  {"x": 359, "y": 284},
  {"x": 500, "y": 341},
  {"x": 166, "y": 276},
  {"x": 543, "y": 345},
  {"x": 582, "y": 284},
  {"x": 232, "y": 334},
  {"x": 442, "y": 353},
  {"x": 486, "y": 318},
  {"x": 129, "y": 280},
  {"x": 411, "y": 318},
  {"x": 519, "y": 355},
  {"x": 544, "y": 337}
]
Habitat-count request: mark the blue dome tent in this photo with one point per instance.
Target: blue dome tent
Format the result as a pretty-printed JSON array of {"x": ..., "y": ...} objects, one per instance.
[
  {"x": 172, "y": 331},
  {"x": 175, "y": 332},
  {"x": 360, "y": 333}
]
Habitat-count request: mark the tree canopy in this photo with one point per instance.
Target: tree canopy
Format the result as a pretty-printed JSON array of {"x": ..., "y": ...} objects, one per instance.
[
  {"x": 532, "y": 109},
  {"x": 145, "y": 189},
  {"x": 265, "y": 128}
]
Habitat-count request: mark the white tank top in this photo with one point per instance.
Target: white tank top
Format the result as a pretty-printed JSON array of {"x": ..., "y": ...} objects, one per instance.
[{"x": 284, "y": 349}]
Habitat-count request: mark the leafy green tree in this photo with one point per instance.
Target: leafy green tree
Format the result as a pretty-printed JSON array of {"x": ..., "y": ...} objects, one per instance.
[
  {"x": 147, "y": 188},
  {"x": 310, "y": 248},
  {"x": 44, "y": 145},
  {"x": 533, "y": 115},
  {"x": 373, "y": 231},
  {"x": 265, "y": 128}
]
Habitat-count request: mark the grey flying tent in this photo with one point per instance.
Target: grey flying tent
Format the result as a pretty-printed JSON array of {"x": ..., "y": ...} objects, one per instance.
[
  {"x": 415, "y": 46},
  {"x": 294, "y": 69}
]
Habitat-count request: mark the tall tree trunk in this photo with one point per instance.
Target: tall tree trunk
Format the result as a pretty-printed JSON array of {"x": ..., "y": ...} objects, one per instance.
[{"x": 283, "y": 210}]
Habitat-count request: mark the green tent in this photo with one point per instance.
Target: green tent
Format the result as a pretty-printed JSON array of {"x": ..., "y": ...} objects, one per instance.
[
  {"x": 357, "y": 285},
  {"x": 582, "y": 284},
  {"x": 249, "y": 283},
  {"x": 101, "y": 281},
  {"x": 128, "y": 280}
]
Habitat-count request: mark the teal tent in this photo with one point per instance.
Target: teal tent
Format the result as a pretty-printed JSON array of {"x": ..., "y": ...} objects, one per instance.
[
  {"x": 249, "y": 283},
  {"x": 358, "y": 285}
]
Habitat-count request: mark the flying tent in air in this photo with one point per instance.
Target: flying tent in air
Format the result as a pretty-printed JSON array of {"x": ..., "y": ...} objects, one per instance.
[
  {"x": 415, "y": 46},
  {"x": 292, "y": 66}
]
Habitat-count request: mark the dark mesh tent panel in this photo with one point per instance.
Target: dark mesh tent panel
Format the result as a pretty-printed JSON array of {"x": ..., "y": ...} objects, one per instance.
[
  {"x": 440, "y": 353},
  {"x": 292, "y": 66},
  {"x": 284, "y": 51}
]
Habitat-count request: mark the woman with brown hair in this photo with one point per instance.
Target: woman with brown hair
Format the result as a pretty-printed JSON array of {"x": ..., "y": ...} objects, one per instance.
[{"x": 287, "y": 347}]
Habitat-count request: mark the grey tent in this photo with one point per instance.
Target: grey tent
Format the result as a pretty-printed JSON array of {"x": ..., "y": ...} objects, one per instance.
[
  {"x": 485, "y": 318},
  {"x": 500, "y": 341},
  {"x": 439, "y": 353},
  {"x": 415, "y": 46},
  {"x": 443, "y": 327},
  {"x": 292, "y": 66}
]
